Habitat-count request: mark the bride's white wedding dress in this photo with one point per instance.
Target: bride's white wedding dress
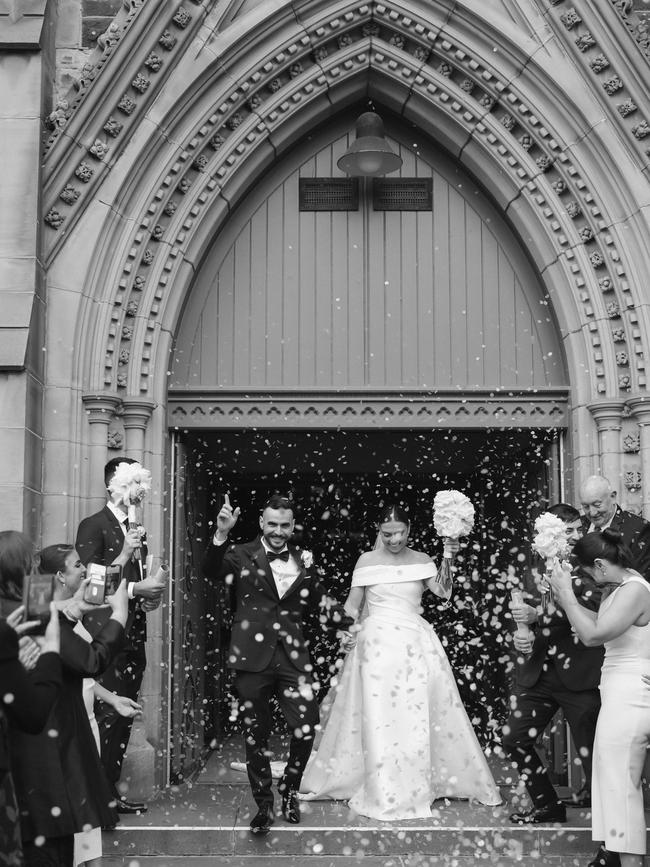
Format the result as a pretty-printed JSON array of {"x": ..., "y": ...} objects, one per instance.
[{"x": 396, "y": 736}]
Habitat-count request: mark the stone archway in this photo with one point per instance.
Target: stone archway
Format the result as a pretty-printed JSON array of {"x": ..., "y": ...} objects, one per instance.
[{"x": 185, "y": 106}]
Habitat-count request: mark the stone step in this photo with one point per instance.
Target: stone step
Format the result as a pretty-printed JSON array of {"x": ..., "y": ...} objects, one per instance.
[{"x": 413, "y": 860}]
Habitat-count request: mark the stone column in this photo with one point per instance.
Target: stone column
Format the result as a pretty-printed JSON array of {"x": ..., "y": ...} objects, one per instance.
[
  {"x": 607, "y": 415},
  {"x": 640, "y": 407},
  {"x": 135, "y": 417},
  {"x": 99, "y": 409}
]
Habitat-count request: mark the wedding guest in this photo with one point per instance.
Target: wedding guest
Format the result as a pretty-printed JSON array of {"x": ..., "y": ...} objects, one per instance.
[
  {"x": 63, "y": 561},
  {"x": 25, "y": 699},
  {"x": 601, "y": 511},
  {"x": 555, "y": 671},
  {"x": 60, "y": 785},
  {"x": 397, "y": 737},
  {"x": 276, "y": 589},
  {"x": 107, "y": 538},
  {"x": 622, "y": 624}
]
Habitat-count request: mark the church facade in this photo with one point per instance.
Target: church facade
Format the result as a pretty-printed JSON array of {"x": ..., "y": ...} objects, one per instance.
[{"x": 183, "y": 270}]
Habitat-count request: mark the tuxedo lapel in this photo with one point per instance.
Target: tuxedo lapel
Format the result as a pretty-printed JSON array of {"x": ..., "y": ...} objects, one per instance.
[
  {"x": 262, "y": 567},
  {"x": 302, "y": 573}
]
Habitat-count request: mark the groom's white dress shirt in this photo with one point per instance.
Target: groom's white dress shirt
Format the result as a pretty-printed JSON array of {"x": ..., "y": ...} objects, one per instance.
[{"x": 284, "y": 574}]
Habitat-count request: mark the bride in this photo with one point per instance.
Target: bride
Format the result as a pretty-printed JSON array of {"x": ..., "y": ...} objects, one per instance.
[{"x": 397, "y": 736}]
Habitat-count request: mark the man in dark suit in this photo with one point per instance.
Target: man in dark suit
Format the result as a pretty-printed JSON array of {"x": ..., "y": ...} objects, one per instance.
[
  {"x": 106, "y": 538},
  {"x": 275, "y": 589},
  {"x": 601, "y": 511},
  {"x": 554, "y": 671}
]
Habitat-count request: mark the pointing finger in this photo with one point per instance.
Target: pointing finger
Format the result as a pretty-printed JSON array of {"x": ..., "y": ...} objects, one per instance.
[{"x": 226, "y": 500}]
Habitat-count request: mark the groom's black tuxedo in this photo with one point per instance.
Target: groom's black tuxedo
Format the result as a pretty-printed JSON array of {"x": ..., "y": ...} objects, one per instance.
[
  {"x": 261, "y": 619},
  {"x": 100, "y": 539},
  {"x": 269, "y": 653}
]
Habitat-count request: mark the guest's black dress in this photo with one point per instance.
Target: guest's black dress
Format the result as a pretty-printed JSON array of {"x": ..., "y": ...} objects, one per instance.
[
  {"x": 25, "y": 702},
  {"x": 60, "y": 782}
]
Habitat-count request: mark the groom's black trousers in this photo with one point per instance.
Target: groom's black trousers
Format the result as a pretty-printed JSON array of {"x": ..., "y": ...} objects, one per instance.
[
  {"x": 294, "y": 692},
  {"x": 534, "y": 708}
]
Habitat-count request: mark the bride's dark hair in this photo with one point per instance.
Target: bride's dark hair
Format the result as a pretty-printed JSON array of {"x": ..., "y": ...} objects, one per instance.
[
  {"x": 393, "y": 512},
  {"x": 607, "y": 545}
]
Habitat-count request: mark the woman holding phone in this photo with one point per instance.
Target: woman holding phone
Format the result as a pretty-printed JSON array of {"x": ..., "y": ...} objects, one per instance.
[{"x": 60, "y": 782}]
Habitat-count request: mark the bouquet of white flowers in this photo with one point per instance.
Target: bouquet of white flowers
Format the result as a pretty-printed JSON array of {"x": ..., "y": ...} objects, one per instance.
[
  {"x": 453, "y": 517},
  {"x": 550, "y": 542},
  {"x": 131, "y": 482}
]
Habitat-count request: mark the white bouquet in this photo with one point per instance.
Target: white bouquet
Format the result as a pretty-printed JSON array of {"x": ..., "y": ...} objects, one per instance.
[
  {"x": 550, "y": 541},
  {"x": 131, "y": 482},
  {"x": 453, "y": 517}
]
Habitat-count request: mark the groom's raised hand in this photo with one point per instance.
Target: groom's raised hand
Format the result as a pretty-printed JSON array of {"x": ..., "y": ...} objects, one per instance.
[{"x": 226, "y": 520}]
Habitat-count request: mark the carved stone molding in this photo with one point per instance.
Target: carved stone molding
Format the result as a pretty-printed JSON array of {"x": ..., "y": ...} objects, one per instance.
[
  {"x": 608, "y": 414},
  {"x": 542, "y": 408}
]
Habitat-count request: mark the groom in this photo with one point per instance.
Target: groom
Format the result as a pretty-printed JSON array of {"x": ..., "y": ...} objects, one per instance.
[{"x": 275, "y": 588}]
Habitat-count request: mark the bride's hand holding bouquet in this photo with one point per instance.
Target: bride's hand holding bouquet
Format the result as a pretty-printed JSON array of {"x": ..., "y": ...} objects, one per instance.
[
  {"x": 550, "y": 542},
  {"x": 453, "y": 517}
]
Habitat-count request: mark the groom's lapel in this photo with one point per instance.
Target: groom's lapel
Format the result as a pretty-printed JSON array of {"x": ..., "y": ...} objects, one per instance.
[{"x": 262, "y": 568}]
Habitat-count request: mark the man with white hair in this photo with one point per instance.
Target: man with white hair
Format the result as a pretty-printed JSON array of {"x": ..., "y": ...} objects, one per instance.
[{"x": 601, "y": 510}]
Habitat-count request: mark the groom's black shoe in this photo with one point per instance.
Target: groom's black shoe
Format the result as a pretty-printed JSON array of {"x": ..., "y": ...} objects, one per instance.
[
  {"x": 605, "y": 858},
  {"x": 262, "y": 820},
  {"x": 291, "y": 806},
  {"x": 581, "y": 799},
  {"x": 540, "y": 815}
]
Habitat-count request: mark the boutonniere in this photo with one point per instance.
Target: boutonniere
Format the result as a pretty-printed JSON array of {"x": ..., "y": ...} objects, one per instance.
[{"x": 307, "y": 558}]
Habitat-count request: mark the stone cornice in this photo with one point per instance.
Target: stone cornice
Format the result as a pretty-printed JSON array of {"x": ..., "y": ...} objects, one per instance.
[{"x": 541, "y": 408}]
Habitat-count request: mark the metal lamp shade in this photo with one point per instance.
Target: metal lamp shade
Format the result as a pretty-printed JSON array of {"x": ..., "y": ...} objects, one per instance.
[{"x": 369, "y": 155}]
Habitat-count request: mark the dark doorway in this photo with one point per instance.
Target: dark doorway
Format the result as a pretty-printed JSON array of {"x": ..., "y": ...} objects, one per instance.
[{"x": 339, "y": 480}]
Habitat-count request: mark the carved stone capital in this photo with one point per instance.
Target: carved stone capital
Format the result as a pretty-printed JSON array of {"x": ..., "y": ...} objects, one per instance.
[
  {"x": 607, "y": 414},
  {"x": 101, "y": 407},
  {"x": 136, "y": 413},
  {"x": 640, "y": 407}
]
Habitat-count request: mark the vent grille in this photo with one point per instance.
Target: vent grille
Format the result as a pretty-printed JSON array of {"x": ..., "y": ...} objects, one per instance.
[
  {"x": 329, "y": 194},
  {"x": 402, "y": 194}
]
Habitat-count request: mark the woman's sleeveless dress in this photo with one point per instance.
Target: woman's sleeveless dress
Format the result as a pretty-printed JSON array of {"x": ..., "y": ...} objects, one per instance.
[
  {"x": 622, "y": 736},
  {"x": 397, "y": 736}
]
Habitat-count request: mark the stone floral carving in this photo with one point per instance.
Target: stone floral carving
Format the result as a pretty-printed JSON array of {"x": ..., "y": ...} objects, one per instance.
[
  {"x": 585, "y": 41},
  {"x": 84, "y": 172},
  {"x": 320, "y": 53},
  {"x": 200, "y": 162},
  {"x": 157, "y": 232},
  {"x": 345, "y": 40},
  {"x": 468, "y": 85},
  {"x": 126, "y": 105},
  {"x": 397, "y": 40},
  {"x": 626, "y": 108},
  {"x": 153, "y": 62},
  {"x": 140, "y": 83},
  {"x": 183, "y": 185},
  {"x": 618, "y": 334},
  {"x": 526, "y": 141},
  {"x": 114, "y": 438},
  {"x": 486, "y": 100},
  {"x": 124, "y": 356},
  {"x": 507, "y": 121},
  {"x": 632, "y": 480},
  {"x": 216, "y": 141},
  {"x": 234, "y": 121},
  {"x": 570, "y": 19},
  {"x": 295, "y": 69},
  {"x": 613, "y": 310},
  {"x": 54, "y": 218},
  {"x": 613, "y": 84},
  {"x": 132, "y": 308},
  {"x": 605, "y": 284},
  {"x": 370, "y": 28},
  {"x": 255, "y": 101},
  {"x": 122, "y": 380},
  {"x": 98, "y": 150},
  {"x": 139, "y": 283},
  {"x": 109, "y": 37},
  {"x": 69, "y": 194},
  {"x": 632, "y": 442},
  {"x": 559, "y": 187},
  {"x": 275, "y": 84},
  {"x": 420, "y": 53},
  {"x": 622, "y": 358},
  {"x": 624, "y": 381},
  {"x": 112, "y": 127},
  {"x": 586, "y": 234},
  {"x": 445, "y": 69},
  {"x": 599, "y": 63},
  {"x": 167, "y": 40},
  {"x": 573, "y": 209},
  {"x": 641, "y": 130},
  {"x": 544, "y": 162},
  {"x": 182, "y": 17},
  {"x": 170, "y": 208},
  {"x": 127, "y": 332},
  {"x": 147, "y": 257},
  {"x": 58, "y": 118},
  {"x": 596, "y": 259}
]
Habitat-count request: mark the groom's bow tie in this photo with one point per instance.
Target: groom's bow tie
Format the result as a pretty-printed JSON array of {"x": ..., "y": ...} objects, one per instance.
[{"x": 283, "y": 555}]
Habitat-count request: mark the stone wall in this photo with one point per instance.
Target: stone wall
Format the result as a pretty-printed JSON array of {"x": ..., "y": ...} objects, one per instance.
[{"x": 80, "y": 23}]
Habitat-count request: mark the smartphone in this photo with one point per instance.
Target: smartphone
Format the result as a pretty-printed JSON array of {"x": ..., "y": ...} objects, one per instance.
[
  {"x": 112, "y": 580},
  {"x": 38, "y": 593},
  {"x": 103, "y": 582}
]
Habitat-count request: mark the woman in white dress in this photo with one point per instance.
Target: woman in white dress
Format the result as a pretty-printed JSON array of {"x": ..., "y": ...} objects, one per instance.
[
  {"x": 397, "y": 736},
  {"x": 622, "y": 624}
]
